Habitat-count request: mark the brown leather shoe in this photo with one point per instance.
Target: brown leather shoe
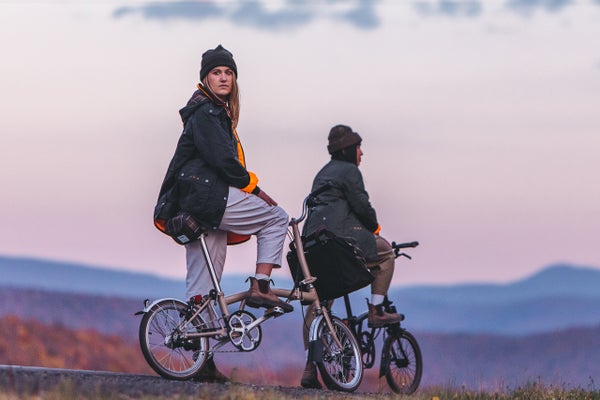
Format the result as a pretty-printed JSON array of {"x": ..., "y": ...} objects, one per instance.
[
  {"x": 260, "y": 295},
  {"x": 210, "y": 374},
  {"x": 310, "y": 378},
  {"x": 378, "y": 317}
]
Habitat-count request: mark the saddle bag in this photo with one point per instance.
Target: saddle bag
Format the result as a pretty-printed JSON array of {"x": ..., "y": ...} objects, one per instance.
[
  {"x": 183, "y": 228},
  {"x": 338, "y": 265}
]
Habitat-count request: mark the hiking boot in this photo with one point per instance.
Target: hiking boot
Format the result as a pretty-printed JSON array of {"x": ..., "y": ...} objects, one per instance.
[
  {"x": 378, "y": 317},
  {"x": 210, "y": 374},
  {"x": 260, "y": 295},
  {"x": 310, "y": 378}
]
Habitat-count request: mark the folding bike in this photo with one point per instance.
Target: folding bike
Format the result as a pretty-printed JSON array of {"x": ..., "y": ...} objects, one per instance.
[{"x": 177, "y": 337}]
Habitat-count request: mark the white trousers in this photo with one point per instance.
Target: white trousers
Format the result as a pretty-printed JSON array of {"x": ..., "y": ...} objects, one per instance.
[{"x": 245, "y": 214}]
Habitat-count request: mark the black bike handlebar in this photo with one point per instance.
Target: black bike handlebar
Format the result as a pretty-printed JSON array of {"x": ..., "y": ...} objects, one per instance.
[
  {"x": 404, "y": 245},
  {"x": 310, "y": 198},
  {"x": 398, "y": 246}
]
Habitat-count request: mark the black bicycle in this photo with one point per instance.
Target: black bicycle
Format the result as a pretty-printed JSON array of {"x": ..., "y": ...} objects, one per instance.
[{"x": 401, "y": 359}]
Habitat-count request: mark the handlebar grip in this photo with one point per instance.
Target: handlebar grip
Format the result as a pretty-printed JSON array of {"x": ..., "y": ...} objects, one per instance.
[{"x": 404, "y": 245}]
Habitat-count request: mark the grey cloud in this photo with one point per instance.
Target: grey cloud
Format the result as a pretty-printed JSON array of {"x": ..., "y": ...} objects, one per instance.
[
  {"x": 254, "y": 14},
  {"x": 294, "y": 13},
  {"x": 474, "y": 8},
  {"x": 363, "y": 16},
  {"x": 527, "y": 7},
  {"x": 449, "y": 8},
  {"x": 173, "y": 10}
]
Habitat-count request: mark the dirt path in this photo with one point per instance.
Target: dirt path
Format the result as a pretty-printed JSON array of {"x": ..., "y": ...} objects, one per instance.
[{"x": 27, "y": 381}]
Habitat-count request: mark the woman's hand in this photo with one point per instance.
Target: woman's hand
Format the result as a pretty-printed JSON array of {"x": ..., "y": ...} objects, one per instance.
[{"x": 267, "y": 199}]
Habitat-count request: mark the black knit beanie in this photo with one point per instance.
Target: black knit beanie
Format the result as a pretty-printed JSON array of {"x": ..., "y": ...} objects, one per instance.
[
  {"x": 217, "y": 57},
  {"x": 342, "y": 136}
]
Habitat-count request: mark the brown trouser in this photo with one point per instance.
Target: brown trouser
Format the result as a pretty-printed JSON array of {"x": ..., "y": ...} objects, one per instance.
[{"x": 383, "y": 271}]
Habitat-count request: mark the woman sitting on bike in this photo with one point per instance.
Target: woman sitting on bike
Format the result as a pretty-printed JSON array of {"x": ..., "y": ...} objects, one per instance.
[
  {"x": 345, "y": 210},
  {"x": 213, "y": 185}
]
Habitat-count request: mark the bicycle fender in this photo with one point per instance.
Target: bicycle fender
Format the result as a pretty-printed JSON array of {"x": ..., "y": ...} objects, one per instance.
[
  {"x": 148, "y": 305},
  {"x": 313, "y": 333},
  {"x": 315, "y": 346}
]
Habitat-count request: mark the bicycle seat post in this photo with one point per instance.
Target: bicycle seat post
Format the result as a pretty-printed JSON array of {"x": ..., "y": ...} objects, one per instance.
[
  {"x": 303, "y": 264},
  {"x": 213, "y": 275}
]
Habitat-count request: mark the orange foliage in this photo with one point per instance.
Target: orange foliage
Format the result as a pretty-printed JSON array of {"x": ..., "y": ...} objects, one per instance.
[
  {"x": 35, "y": 344},
  {"x": 31, "y": 343}
]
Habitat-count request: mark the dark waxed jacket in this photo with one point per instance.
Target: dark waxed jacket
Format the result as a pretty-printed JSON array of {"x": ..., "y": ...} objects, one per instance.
[
  {"x": 204, "y": 165},
  {"x": 344, "y": 209}
]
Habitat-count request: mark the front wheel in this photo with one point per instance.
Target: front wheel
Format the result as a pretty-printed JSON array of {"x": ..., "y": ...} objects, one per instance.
[
  {"x": 341, "y": 367},
  {"x": 164, "y": 342},
  {"x": 402, "y": 363}
]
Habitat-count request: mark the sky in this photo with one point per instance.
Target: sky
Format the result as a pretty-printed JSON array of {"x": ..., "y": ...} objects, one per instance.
[{"x": 480, "y": 124}]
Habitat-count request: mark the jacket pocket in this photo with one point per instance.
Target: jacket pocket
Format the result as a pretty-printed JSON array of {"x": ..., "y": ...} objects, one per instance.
[{"x": 194, "y": 191}]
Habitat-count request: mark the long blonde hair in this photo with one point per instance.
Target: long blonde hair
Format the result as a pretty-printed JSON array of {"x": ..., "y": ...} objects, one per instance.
[{"x": 233, "y": 102}]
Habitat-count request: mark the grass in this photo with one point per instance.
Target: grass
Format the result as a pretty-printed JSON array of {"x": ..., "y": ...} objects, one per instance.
[{"x": 533, "y": 391}]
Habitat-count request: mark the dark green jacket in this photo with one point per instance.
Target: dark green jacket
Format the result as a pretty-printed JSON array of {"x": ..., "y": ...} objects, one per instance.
[
  {"x": 344, "y": 209},
  {"x": 204, "y": 165}
]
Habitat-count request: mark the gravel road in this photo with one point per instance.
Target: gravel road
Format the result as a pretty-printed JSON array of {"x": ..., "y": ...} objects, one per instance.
[{"x": 27, "y": 381}]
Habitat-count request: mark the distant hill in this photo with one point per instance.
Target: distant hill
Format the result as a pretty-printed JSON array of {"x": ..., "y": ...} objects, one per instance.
[
  {"x": 557, "y": 280},
  {"x": 556, "y": 298},
  {"x": 83, "y": 279}
]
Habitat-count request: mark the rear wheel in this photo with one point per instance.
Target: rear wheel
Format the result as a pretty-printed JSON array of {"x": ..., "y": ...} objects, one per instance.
[
  {"x": 164, "y": 345},
  {"x": 402, "y": 362},
  {"x": 341, "y": 367}
]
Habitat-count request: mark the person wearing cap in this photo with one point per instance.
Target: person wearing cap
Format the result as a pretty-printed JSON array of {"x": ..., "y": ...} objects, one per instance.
[
  {"x": 345, "y": 210},
  {"x": 214, "y": 186}
]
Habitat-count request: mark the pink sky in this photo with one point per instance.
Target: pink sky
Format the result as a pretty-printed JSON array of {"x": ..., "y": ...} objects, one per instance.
[{"x": 480, "y": 126}]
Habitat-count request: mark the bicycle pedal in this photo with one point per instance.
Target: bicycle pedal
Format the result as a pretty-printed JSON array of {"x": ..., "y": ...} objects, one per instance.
[{"x": 275, "y": 311}]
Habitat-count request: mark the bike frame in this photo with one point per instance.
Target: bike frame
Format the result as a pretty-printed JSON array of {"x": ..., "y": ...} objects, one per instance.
[{"x": 306, "y": 292}]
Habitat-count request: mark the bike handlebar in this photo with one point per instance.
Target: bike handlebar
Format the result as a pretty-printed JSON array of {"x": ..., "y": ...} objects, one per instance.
[
  {"x": 398, "y": 246},
  {"x": 308, "y": 199},
  {"x": 404, "y": 245}
]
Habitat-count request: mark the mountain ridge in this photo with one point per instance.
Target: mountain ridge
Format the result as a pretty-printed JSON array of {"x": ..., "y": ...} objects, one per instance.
[{"x": 557, "y": 297}]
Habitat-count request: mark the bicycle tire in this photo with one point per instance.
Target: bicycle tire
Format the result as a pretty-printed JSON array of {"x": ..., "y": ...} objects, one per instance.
[
  {"x": 170, "y": 356},
  {"x": 341, "y": 369},
  {"x": 402, "y": 362}
]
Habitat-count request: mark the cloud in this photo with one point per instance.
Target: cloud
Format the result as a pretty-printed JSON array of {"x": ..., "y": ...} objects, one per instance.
[
  {"x": 173, "y": 10},
  {"x": 474, "y": 8},
  {"x": 255, "y": 14},
  {"x": 291, "y": 14},
  {"x": 456, "y": 8},
  {"x": 277, "y": 15},
  {"x": 362, "y": 16},
  {"x": 527, "y": 7}
]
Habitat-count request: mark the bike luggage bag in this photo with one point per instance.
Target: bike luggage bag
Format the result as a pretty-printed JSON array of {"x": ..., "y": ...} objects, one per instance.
[{"x": 338, "y": 265}]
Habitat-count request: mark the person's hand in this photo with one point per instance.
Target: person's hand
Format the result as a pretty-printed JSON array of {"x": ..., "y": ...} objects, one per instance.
[{"x": 266, "y": 198}]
